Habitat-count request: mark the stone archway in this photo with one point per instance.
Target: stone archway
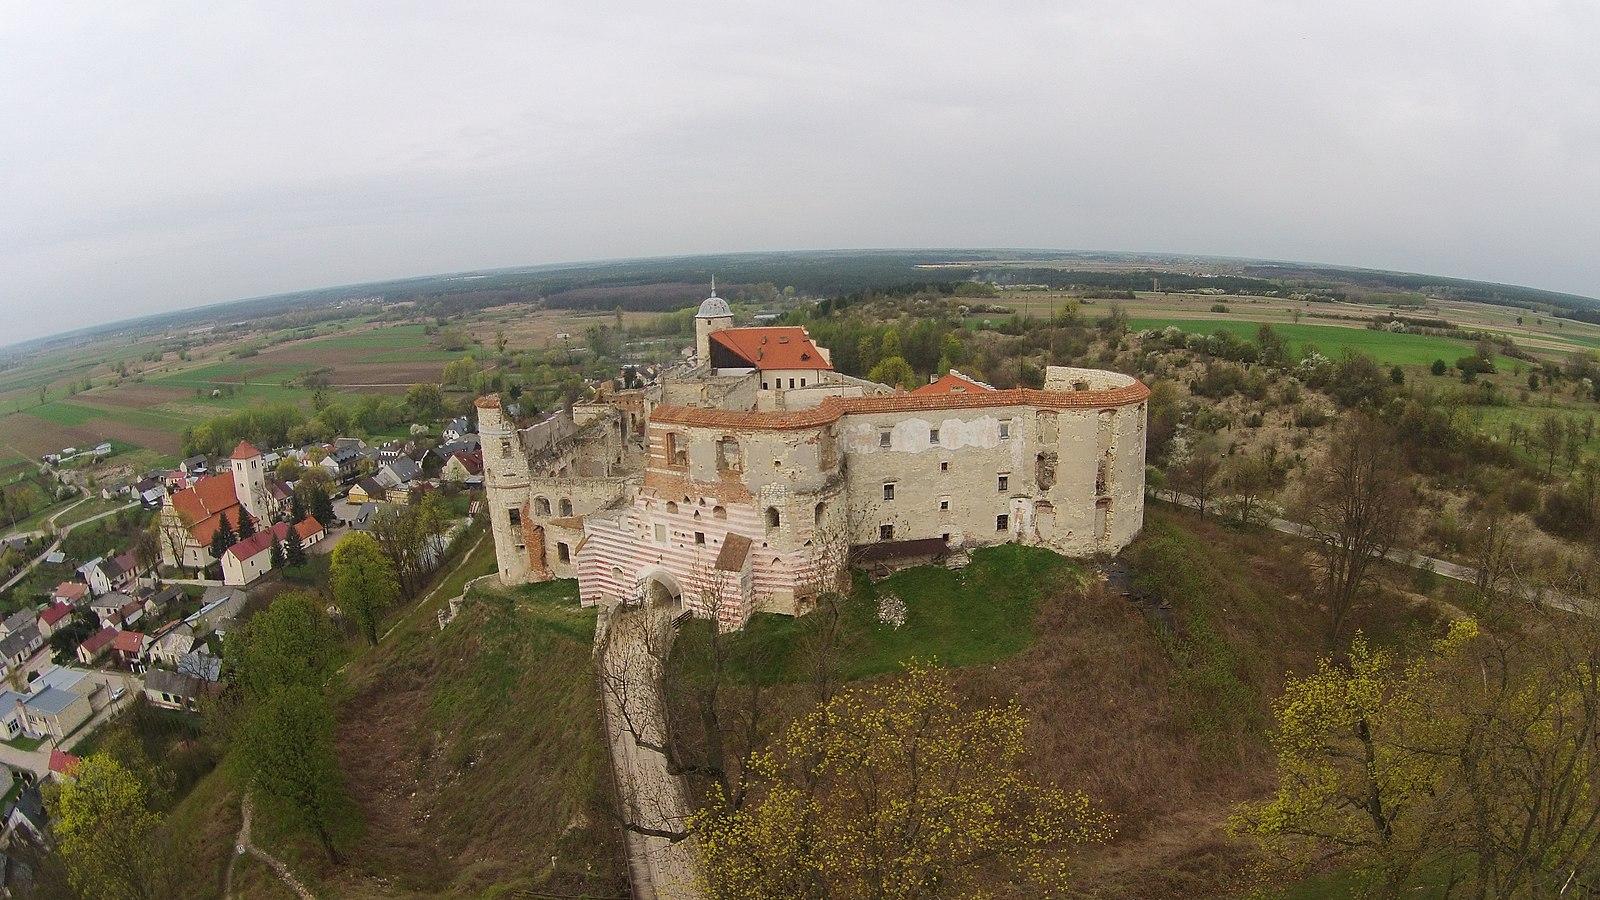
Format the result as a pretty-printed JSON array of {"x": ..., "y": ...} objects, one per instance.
[{"x": 658, "y": 589}]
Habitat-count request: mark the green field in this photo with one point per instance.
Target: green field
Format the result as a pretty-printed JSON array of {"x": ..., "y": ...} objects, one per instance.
[{"x": 1385, "y": 347}]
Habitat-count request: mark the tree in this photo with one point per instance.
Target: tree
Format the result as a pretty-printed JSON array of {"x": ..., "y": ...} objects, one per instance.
[
  {"x": 1358, "y": 503},
  {"x": 1354, "y": 774},
  {"x": 364, "y": 582},
  {"x": 294, "y": 551},
  {"x": 285, "y": 743},
  {"x": 893, "y": 371},
  {"x": 219, "y": 541},
  {"x": 408, "y": 537},
  {"x": 147, "y": 546},
  {"x": 276, "y": 554},
  {"x": 1440, "y": 367},
  {"x": 297, "y": 508},
  {"x": 1197, "y": 475},
  {"x": 105, "y": 831},
  {"x": 1248, "y": 479},
  {"x": 1397, "y": 375},
  {"x": 1550, "y": 436},
  {"x": 895, "y": 790},
  {"x": 247, "y": 525},
  {"x": 460, "y": 372},
  {"x": 426, "y": 402},
  {"x": 313, "y": 494}
]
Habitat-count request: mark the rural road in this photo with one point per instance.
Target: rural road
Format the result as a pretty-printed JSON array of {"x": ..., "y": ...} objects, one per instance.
[
  {"x": 652, "y": 797},
  {"x": 60, "y": 536},
  {"x": 1454, "y": 571}
]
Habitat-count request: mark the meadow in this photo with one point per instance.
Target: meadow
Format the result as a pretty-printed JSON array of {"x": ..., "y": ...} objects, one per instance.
[{"x": 1385, "y": 347}]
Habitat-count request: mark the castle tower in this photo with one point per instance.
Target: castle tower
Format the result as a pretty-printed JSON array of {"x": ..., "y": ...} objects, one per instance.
[
  {"x": 250, "y": 481},
  {"x": 714, "y": 315}
]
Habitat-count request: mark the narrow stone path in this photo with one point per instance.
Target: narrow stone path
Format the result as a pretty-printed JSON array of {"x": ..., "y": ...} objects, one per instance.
[{"x": 242, "y": 845}]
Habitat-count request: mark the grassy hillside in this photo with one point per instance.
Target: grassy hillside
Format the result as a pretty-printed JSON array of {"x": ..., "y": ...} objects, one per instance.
[{"x": 474, "y": 755}]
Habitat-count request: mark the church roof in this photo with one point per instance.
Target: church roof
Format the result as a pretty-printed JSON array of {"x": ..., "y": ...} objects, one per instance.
[
  {"x": 202, "y": 505},
  {"x": 244, "y": 451},
  {"x": 713, "y": 307},
  {"x": 778, "y": 347}
]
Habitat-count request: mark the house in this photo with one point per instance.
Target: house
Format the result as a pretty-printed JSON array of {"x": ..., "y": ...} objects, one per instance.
[
  {"x": 362, "y": 520},
  {"x": 194, "y": 465},
  {"x": 201, "y": 665},
  {"x": 401, "y": 494},
  {"x": 129, "y": 614},
  {"x": 150, "y": 492},
  {"x": 55, "y": 713},
  {"x": 251, "y": 558},
  {"x": 400, "y": 471},
  {"x": 190, "y": 517},
  {"x": 96, "y": 645},
  {"x": 341, "y": 464},
  {"x": 216, "y": 605},
  {"x": 157, "y": 604},
  {"x": 116, "y": 574},
  {"x": 17, "y": 621},
  {"x": 73, "y": 592},
  {"x": 18, "y": 648},
  {"x": 173, "y": 690},
  {"x": 55, "y": 616},
  {"x": 462, "y": 466},
  {"x": 94, "y": 574},
  {"x": 457, "y": 428},
  {"x": 109, "y": 607},
  {"x": 367, "y": 490},
  {"x": 127, "y": 650},
  {"x": 169, "y": 647}
]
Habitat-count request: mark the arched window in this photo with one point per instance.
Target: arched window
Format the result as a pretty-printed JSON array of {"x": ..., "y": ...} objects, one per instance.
[
  {"x": 773, "y": 520},
  {"x": 821, "y": 508},
  {"x": 541, "y": 506},
  {"x": 719, "y": 512},
  {"x": 672, "y": 507},
  {"x": 566, "y": 507}
]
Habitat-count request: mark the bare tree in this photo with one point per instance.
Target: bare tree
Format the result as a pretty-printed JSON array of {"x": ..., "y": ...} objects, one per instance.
[
  {"x": 1197, "y": 475},
  {"x": 1359, "y": 504}
]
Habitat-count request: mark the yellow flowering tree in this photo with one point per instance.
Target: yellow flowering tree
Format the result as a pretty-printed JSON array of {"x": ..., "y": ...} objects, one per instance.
[
  {"x": 1359, "y": 772},
  {"x": 896, "y": 791}
]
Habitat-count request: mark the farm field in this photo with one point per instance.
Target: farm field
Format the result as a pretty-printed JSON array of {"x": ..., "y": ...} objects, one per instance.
[{"x": 1385, "y": 347}]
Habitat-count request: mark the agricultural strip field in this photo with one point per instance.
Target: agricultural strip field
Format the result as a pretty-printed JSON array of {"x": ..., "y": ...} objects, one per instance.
[{"x": 1385, "y": 347}]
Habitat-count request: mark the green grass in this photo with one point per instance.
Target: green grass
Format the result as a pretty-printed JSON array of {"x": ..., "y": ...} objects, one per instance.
[
  {"x": 25, "y": 743},
  {"x": 974, "y": 615},
  {"x": 89, "y": 509},
  {"x": 1384, "y": 347},
  {"x": 65, "y": 413}
]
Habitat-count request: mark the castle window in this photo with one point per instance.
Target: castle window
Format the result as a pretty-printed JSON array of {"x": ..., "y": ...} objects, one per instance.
[
  {"x": 802, "y": 382},
  {"x": 672, "y": 506},
  {"x": 817, "y": 519},
  {"x": 886, "y": 532},
  {"x": 1005, "y": 431},
  {"x": 883, "y": 437},
  {"x": 764, "y": 386},
  {"x": 729, "y": 457},
  {"x": 661, "y": 533},
  {"x": 944, "y": 465},
  {"x": 933, "y": 435},
  {"x": 773, "y": 520},
  {"x": 541, "y": 506},
  {"x": 514, "y": 516},
  {"x": 720, "y": 512},
  {"x": 563, "y": 552},
  {"x": 1003, "y": 483},
  {"x": 677, "y": 453},
  {"x": 944, "y": 504},
  {"x": 699, "y": 537},
  {"x": 888, "y": 490},
  {"x": 1002, "y": 522},
  {"x": 566, "y": 507}
]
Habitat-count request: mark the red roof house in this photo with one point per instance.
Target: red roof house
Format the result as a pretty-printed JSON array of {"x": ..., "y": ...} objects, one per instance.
[
  {"x": 777, "y": 347},
  {"x": 251, "y": 558},
  {"x": 96, "y": 645},
  {"x": 953, "y": 382},
  {"x": 70, "y": 591},
  {"x": 53, "y": 616}
]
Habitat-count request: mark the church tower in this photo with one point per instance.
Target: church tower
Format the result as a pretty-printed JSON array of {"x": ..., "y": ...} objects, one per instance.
[
  {"x": 714, "y": 315},
  {"x": 250, "y": 481}
]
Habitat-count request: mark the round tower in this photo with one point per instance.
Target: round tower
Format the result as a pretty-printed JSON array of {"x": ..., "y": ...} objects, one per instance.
[
  {"x": 250, "y": 481},
  {"x": 714, "y": 315}
]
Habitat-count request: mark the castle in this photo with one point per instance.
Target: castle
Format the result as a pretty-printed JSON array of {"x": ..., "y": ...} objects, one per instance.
[{"x": 747, "y": 478}]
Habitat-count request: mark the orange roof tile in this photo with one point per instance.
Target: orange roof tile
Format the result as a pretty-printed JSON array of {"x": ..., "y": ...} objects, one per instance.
[
  {"x": 200, "y": 505},
  {"x": 832, "y": 408},
  {"x": 952, "y": 383},
  {"x": 244, "y": 451},
  {"x": 778, "y": 347}
]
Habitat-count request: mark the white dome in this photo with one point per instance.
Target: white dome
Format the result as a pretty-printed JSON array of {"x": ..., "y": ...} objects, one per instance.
[{"x": 713, "y": 307}]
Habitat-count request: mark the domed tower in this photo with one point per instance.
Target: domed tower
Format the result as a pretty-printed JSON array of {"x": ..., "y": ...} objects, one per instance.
[{"x": 714, "y": 315}]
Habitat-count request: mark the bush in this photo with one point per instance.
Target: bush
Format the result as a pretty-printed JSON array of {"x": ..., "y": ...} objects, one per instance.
[{"x": 1218, "y": 308}]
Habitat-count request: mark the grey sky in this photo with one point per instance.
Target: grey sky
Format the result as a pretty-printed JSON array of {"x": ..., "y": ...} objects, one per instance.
[{"x": 156, "y": 156}]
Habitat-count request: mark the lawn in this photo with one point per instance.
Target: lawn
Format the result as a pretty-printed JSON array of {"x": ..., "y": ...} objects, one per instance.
[
  {"x": 88, "y": 509},
  {"x": 24, "y": 743},
  {"x": 978, "y": 614},
  {"x": 1385, "y": 347}
]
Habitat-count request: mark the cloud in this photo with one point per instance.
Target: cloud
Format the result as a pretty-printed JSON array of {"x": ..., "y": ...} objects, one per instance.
[{"x": 159, "y": 157}]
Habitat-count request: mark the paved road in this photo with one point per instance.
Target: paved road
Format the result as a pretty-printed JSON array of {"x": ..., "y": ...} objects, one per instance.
[
  {"x": 1454, "y": 571},
  {"x": 652, "y": 797},
  {"x": 38, "y": 761},
  {"x": 59, "y": 538}
]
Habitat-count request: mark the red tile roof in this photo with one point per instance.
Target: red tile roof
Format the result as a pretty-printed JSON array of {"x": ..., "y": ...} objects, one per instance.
[
  {"x": 472, "y": 462},
  {"x": 54, "y": 613},
  {"x": 99, "y": 640},
  {"x": 952, "y": 383},
  {"x": 62, "y": 762},
  {"x": 262, "y": 541},
  {"x": 778, "y": 347},
  {"x": 202, "y": 504},
  {"x": 71, "y": 590},
  {"x": 128, "y": 642},
  {"x": 832, "y": 408},
  {"x": 244, "y": 451}
]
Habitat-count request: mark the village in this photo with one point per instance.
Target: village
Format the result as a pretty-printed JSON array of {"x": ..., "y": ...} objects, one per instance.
[{"x": 191, "y": 552}]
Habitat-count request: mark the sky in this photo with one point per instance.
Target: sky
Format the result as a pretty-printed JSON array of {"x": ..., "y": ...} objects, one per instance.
[{"x": 161, "y": 156}]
